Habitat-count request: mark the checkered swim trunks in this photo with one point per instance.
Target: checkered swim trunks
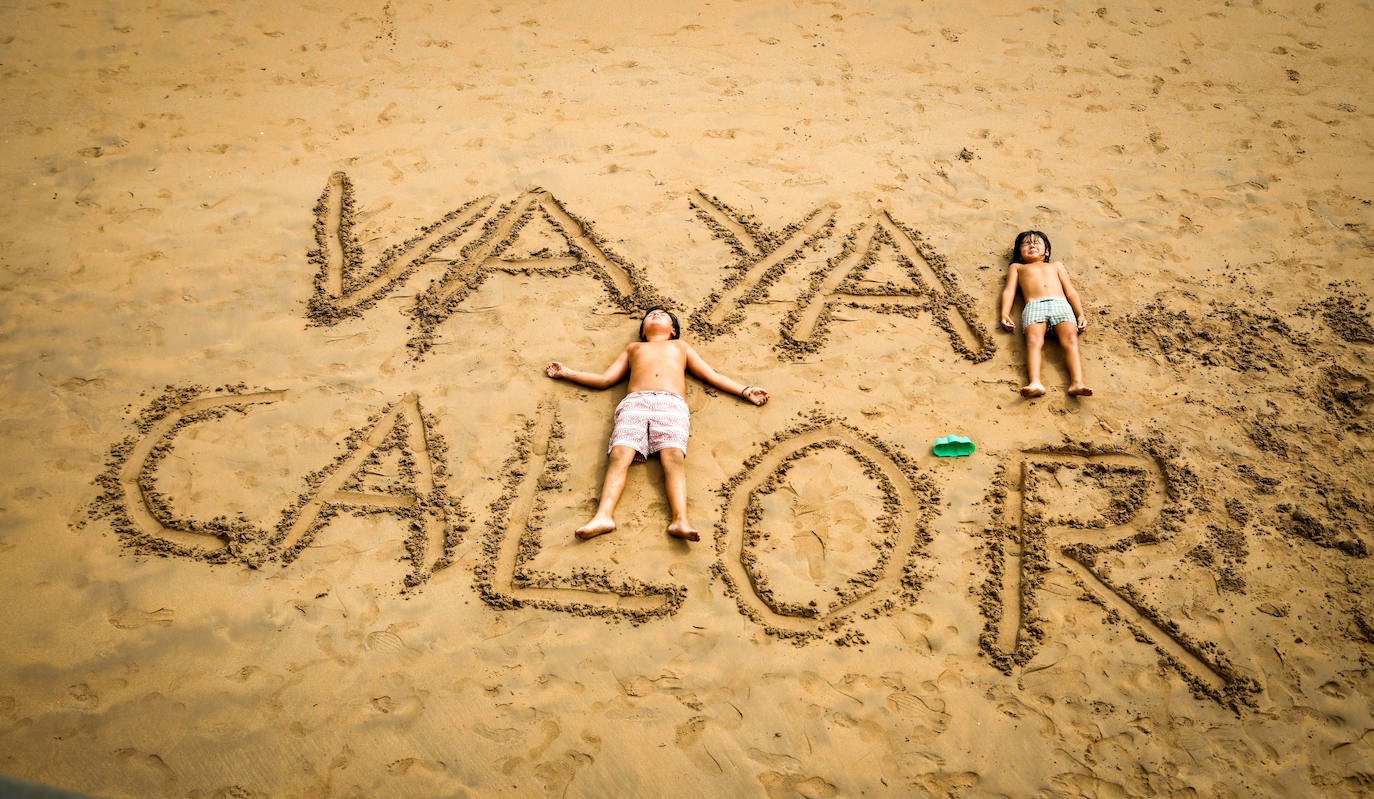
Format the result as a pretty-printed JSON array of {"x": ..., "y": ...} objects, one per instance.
[
  {"x": 648, "y": 421},
  {"x": 1051, "y": 309}
]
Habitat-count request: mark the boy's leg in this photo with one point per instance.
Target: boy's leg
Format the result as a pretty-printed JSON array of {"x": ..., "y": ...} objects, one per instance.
[
  {"x": 675, "y": 481},
  {"x": 611, "y": 489},
  {"x": 1068, "y": 339},
  {"x": 1035, "y": 343}
]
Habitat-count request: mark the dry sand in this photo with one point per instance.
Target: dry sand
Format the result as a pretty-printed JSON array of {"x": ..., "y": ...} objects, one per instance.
[{"x": 288, "y": 501}]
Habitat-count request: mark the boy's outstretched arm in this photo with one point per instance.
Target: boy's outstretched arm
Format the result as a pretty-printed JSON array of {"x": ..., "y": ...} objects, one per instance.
[
  {"x": 1008, "y": 297},
  {"x": 699, "y": 367},
  {"x": 613, "y": 374},
  {"x": 1071, "y": 294}
]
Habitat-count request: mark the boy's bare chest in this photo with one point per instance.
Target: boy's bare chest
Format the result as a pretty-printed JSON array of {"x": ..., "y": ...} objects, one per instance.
[
  {"x": 659, "y": 357},
  {"x": 1038, "y": 278}
]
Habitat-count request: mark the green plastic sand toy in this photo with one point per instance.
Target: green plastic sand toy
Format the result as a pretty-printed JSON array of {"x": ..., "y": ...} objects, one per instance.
[{"x": 953, "y": 446}]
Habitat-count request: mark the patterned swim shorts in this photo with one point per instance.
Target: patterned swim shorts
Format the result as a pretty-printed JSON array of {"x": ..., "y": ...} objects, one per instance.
[
  {"x": 648, "y": 421},
  {"x": 1051, "y": 309}
]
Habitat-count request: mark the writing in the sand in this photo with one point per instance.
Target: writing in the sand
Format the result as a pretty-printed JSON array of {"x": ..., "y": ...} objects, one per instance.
[
  {"x": 535, "y": 234},
  {"x": 414, "y": 489},
  {"x": 396, "y": 463}
]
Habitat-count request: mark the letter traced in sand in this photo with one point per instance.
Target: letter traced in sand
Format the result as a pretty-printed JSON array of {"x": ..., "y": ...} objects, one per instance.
[
  {"x": 536, "y": 215},
  {"x": 142, "y": 516},
  {"x": 763, "y": 258},
  {"x": 342, "y": 286},
  {"x": 419, "y": 497},
  {"x": 505, "y": 578},
  {"x": 930, "y": 288},
  {"x": 148, "y": 520},
  {"x": 908, "y": 502},
  {"x": 1031, "y": 534}
]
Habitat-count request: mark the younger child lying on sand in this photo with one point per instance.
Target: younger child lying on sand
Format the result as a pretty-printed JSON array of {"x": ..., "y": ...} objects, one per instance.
[
  {"x": 1051, "y": 301},
  {"x": 653, "y": 416}
]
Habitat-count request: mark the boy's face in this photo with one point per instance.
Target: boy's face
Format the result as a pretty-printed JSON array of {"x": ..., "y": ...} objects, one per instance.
[
  {"x": 1032, "y": 249},
  {"x": 657, "y": 321}
]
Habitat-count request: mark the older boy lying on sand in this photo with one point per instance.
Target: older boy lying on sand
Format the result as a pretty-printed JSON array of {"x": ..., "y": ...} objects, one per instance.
[
  {"x": 1051, "y": 302},
  {"x": 653, "y": 416}
]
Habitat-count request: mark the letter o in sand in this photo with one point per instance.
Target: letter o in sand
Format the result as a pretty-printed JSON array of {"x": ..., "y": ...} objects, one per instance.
[{"x": 908, "y": 503}]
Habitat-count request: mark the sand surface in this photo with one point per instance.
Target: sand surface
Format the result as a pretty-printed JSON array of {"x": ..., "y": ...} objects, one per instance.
[{"x": 288, "y": 499}]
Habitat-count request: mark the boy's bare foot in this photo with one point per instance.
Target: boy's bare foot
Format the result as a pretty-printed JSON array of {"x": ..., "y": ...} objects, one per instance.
[
  {"x": 1033, "y": 390},
  {"x": 684, "y": 531},
  {"x": 1080, "y": 390},
  {"x": 595, "y": 527}
]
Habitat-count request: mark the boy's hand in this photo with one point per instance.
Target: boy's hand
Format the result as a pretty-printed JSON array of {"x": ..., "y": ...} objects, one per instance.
[
  {"x": 1082, "y": 323},
  {"x": 756, "y": 395},
  {"x": 554, "y": 370},
  {"x": 1007, "y": 324}
]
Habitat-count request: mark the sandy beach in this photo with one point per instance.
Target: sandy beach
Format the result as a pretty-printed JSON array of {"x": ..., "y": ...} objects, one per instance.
[{"x": 289, "y": 501}]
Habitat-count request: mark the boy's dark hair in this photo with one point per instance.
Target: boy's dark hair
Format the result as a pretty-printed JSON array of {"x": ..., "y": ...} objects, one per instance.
[
  {"x": 677, "y": 329},
  {"x": 1020, "y": 237}
]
